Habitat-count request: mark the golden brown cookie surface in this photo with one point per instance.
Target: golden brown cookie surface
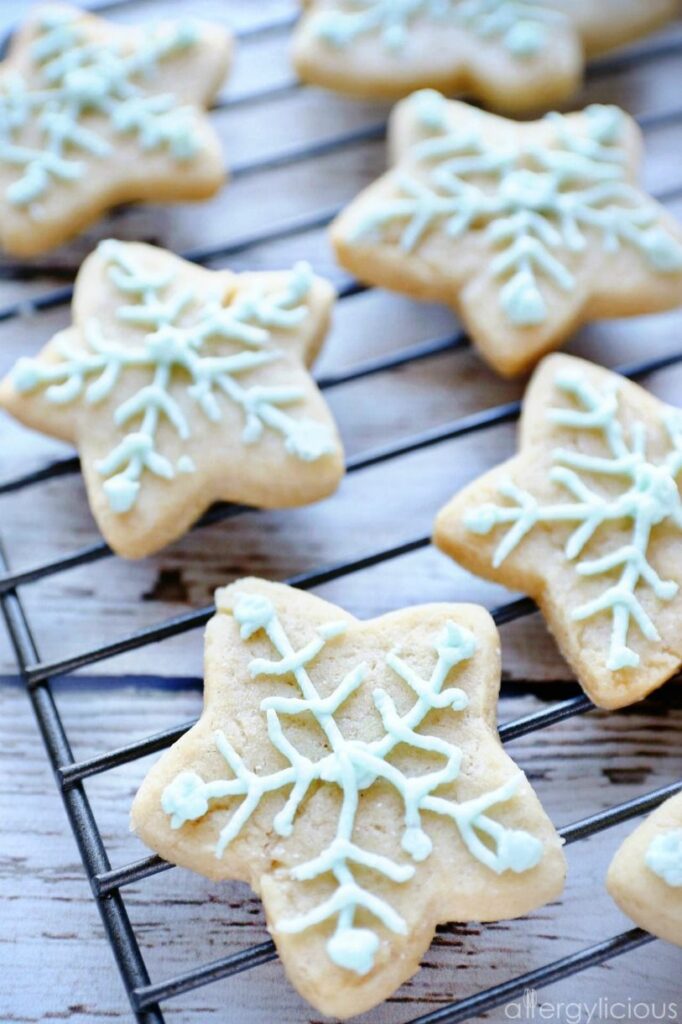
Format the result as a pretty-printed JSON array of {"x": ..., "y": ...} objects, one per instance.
[
  {"x": 645, "y": 876},
  {"x": 587, "y": 519},
  {"x": 182, "y": 386},
  {"x": 525, "y": 230},
  {"x": 93, "y": 114},
  {"x": 350, "y": 773},
  {"x": 513, "y": 55}
]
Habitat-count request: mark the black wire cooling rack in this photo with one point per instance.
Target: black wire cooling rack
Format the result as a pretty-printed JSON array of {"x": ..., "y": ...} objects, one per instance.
[{"x": 108, "y": 884}]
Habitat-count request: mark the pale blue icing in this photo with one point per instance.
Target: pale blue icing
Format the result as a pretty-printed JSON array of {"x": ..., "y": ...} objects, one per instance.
[
  {"x": 186, "y": 464},
  {"x": 431, "y": 109},
  {"x": 537, "y": 205},
  {"x": 664, "y": 857},
  {"x": 649, "y": 497},
  {"x": 526, "y": 38},
  {"x": 175, "y": 330},
  {"x": 353, "y": 766},
  {"x": 523, "y": 27},
  {"x": 85, "y": 90}
]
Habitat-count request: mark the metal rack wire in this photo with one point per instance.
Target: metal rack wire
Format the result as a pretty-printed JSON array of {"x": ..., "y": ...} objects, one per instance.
[{"x": 107, "y": 884}]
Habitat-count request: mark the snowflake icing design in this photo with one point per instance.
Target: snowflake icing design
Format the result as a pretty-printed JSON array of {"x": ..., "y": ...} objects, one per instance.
[
  {"x": 354, "y": 766},
  {"x": 522, "y": 26},
  {"x": 533, "y": 202},
  {"x": 79, "y": 80},
  {"x": 177, "y": 330},
  {"x": 650, "y": 497}
]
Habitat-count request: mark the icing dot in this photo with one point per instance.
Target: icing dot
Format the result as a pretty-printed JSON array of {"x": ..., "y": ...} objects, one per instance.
[
  {"x": 606, "y": 121},
  {"x": 454, "y": 641},
  {"x": 519, "y": 851},
  {"x": 416, "y": 842},
  {"x": 25, "y": 375},
  {"x": 253, "y": 612},
  {"x": 184, "y": 798},
  {"x": 663, "y": 251},
  {"x": 431, "y": 109},
  {"x": 622, "y": 657},
  {"x": 481, "y": 520},
  {"x": 354, "y": 949},
  {"x": 309, "y": 441},
  {"x": 522, "y": 301},
  {"x": 525, "y": 39},
  {"x": 186, "y": 464},
  {"x": 187, "y": 33},
  {"x": 664, "y": 857},
  {"x": 121, "y": 492}
]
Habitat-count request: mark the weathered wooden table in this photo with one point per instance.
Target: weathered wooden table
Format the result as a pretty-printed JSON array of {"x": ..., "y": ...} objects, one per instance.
[{"x": 54, "y": 961}]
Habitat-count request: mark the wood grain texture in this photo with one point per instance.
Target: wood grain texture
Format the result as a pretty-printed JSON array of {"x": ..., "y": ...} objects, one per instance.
[{"x": 54, "y": 961}]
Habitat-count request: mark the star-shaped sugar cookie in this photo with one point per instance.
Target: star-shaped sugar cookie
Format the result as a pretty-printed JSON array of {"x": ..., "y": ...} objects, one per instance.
[
  {"x": 351, "y": 773},
  {"x": 645, "y": 876},
  {"x": 182, "y": 386},
  {"x": 587, "y": 519},
  {"x": 525, "y": 230},
  {"x": 93, "y": 114},
  {"x": 513, "y": 55}
]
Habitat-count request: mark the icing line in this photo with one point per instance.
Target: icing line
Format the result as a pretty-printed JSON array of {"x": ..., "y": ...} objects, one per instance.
[
  {"x": 79, "y": 82},
  {"x": 523, "y": 27},
  {"x": 536, "y": 205},
  {"x": 353, "y": 766},
  {"x": 649, "y": 497},
  {"x": 175, "y": 331}
]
